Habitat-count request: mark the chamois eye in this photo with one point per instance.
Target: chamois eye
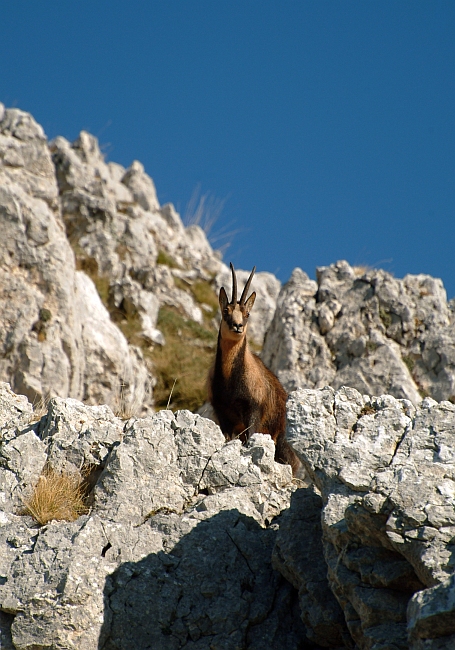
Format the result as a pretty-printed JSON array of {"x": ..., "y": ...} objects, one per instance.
[{"x": 247, "y": 315}]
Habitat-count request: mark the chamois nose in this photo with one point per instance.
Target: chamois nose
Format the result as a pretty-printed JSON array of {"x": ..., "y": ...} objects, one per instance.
[{"x": 238, "y": 327}]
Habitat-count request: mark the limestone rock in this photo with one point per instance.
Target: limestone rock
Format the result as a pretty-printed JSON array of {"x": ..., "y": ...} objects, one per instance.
[
  {"x": 57, "y": 338},
  {"x": 298, "y": 555},
  {"x": 24, "y": 156},
  {"x": 115, "y": 372},
  {"x": 386, "y": 473},
  {"x": 174, "y": 552},
  {"x": 117, "y": 229},
  {"x": 363, "y": 328},
  {"x": 431, "y": 616},
  {"x": 40, "y": 341}
]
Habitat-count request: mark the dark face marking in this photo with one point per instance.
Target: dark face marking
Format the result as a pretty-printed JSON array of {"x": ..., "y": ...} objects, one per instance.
[{"x": 234, "y": 316}]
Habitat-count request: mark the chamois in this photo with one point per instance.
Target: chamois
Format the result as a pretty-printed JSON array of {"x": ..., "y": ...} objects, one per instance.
[{"x": 246, "y": 396}]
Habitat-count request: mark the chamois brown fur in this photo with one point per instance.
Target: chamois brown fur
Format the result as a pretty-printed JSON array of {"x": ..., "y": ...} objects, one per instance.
[{"x": 246, "y": 396}]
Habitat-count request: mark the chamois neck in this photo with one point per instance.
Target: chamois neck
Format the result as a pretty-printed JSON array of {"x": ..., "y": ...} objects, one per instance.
[
  {"x": 230, "y": 346},
  {"x": 230, "y": 351}
]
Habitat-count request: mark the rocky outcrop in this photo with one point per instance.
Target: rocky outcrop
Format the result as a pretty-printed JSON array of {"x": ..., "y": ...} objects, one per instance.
[
  {"x": 189, "y": 541},
  {"x": 41, "y": 332},
  {"x": 175, "y": 550},
  {"x": 366, "y": 329},
  {"x": 121, "y": 234},
  {"x": 186, "y": 535},
  {"x": 385, "y": 471},
  {"x": 56, "y": 337}
]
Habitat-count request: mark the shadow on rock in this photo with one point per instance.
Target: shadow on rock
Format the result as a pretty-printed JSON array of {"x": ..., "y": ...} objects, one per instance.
[{"x": 214, "y": 588}]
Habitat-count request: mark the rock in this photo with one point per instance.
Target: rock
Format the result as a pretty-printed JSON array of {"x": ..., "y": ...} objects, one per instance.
[
  {"x": 78, "y": 436},
  {"x": 40, "y": 342},
  {"x": 174, "y": 551},
  {"x": 431, "y": 616},
  {"x": 105, "y": 221},
  {"x": 57, "y": 338},
  {"x": 6, "y": 620},
  {"x": 15, "y": 412},
  {"x": 24, "y": 157},
  {"x": 115, "y": 372},
  {"x": 365, "y": 329},
  {"x": 117, "y": 229},
  {"x": 267, "y": 288},
  {"x": 298, "y": 555},
  {"x": 386, "y": 473},
  {"x": 141, "y": 186}
]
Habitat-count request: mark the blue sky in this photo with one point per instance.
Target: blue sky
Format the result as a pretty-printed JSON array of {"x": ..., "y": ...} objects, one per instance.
[{"x": 327, "y": 126}]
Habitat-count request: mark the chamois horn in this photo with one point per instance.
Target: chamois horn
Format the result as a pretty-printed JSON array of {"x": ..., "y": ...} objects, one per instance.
[
  {"x": 247, "y": 286},
  {"x": 234, "y": 286}
]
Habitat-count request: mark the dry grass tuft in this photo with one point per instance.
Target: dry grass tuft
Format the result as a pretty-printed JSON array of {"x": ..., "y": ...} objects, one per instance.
[
  {"x": 40, "y": 408},
  {"x": 128, "y": 406},
  {"x": 361, "y": 269},
  {"x": 56, "y": 495}
]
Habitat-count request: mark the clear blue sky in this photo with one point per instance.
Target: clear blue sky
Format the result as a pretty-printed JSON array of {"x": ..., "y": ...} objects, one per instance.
[{"x": 327, "y": 125}]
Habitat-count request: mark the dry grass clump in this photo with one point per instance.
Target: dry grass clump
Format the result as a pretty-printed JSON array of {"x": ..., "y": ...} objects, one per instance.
[
  {"x": 40, "y": 407},
  {"x": 128, "y": 406},
  {"x": 56, "y": 495}
]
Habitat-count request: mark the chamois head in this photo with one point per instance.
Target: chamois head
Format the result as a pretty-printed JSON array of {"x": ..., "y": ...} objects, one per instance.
[{"x": 235, "y": 314}]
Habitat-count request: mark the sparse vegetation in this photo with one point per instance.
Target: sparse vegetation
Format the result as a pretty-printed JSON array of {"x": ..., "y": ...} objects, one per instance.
[
  {"x": 90, "y": 266},
  {"x": 122, "y": 251},
  {"x": 102, "y": 286},
  {"x": 361, "y": 269},
  {"x": 409, "y": 363},
  {"x": 204, "y": 210},
  {"x": 41, "y": 324},
  {"x": 127, "y": 404},
  {"x": 182, "y": 284},
  {"x": 129, "y": 323},
  {"x": 186, "y": 358},
  {"x": 181, "y": 365},
  {"x": 166, "y": 259},
  {"x": 40, "y": 408},
  {"x": 56, "y": 495},
  {"x": 368, "y": 410},
  {"x": 203, "y": 293},
  {"x": 371, "y": 346},
  {"x": 385, "y": 316}
]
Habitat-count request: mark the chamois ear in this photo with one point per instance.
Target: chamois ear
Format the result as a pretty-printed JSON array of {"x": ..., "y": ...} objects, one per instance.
[
  {"x": 250, "y": 302},
  {"x": 223, "y": 299}
]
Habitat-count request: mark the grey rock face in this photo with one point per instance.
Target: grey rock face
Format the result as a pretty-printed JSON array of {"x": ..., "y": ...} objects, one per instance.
[
  {"x": 117, "y": 228},
  {"x": 40, "y": 338},
  {"x": 56, "y": 337},
  {"x": 386, "y": 473},
  {"x": 431, "y": 616},
  {"x": 175, "y": 551},
  {"x": 298, "y": 555},
  {"x": 365, "y": 329},
  {"x": 22, "y": 454},
  {"x": 115, "y": 372}
]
